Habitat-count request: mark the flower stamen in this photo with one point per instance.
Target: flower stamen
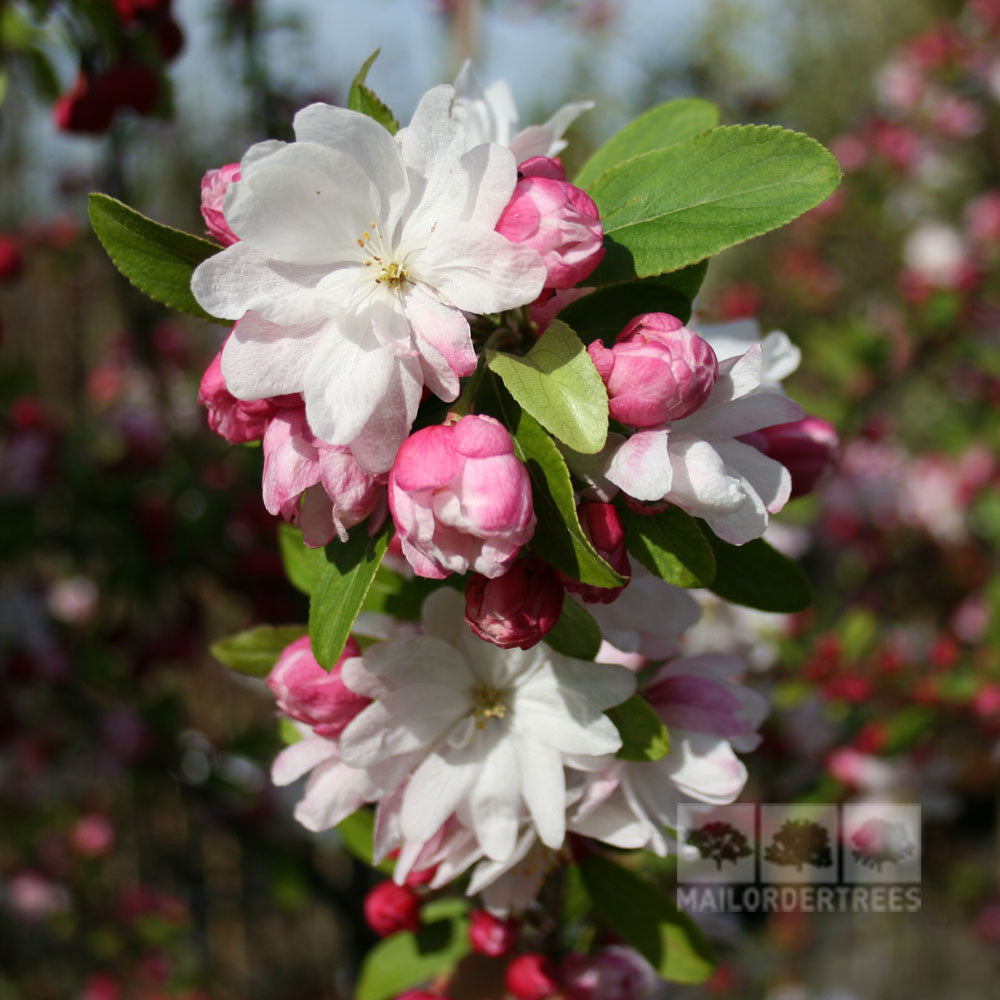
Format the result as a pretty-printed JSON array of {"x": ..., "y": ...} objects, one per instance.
[{"x": 489, "y": 704}]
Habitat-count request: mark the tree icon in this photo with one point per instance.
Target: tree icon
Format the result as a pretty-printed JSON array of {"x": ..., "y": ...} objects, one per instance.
[
  {"x": 720, "y": 842},
  {"x": 800, "y": 842},
  {"x": 878, "y": 841}
]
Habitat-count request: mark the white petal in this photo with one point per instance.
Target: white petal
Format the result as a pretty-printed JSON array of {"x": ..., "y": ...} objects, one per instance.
[
  {"x": 492, "y": 174},
  {"x": 495, "y": 801},
  {"x": 446, "y": 330},
  {"x": 543, "y": 786},
  {"x": 305, "y": 204},
  {"x": 547, "y": 139},
  {"x": 769, "y": 479},
  {"x": 701, "y": 483},
  {"x": 241, "y": 279},
  {"x": 434, "y": 791},
  {"x": 781, "y": 357},
  {"x": 424, "y": 657},
  {"x": 262, "y": 359},
  {"x": 344, "y": 385},
  {"x": 301, "y": 757},
  {"x": 741, "y": 416},
  {"x": 366, "y": 142},
  {"x": 442, "y": 615},
  {"x": 332, "y": 794},
  {"x": 704, "y": 767},
  {"x": 641, "y": 466},
  {"x": 478, "y": 270}
]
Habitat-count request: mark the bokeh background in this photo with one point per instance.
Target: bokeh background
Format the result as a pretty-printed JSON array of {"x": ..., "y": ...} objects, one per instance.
[{"x": 143, "y": 852}]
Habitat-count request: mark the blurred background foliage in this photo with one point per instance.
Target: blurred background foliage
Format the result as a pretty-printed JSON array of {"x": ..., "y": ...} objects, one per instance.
[{"x": 144, "y": 853}]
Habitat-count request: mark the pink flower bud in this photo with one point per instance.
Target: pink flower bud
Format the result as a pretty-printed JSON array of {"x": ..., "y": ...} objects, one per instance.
[
  {"x": 390, "y": 908},
  {"x": 214, "y": 185},
  {"x": 531, "y": 977},
  {"x": 490, "y": 935},
  {"x": 517, "y": 608},
  {"x": 460, "y": 498},
  {"x": 615, "y": 973},
  {"x": 560, "y": 221},
  {"x": 11, "y": 261},
  {"x": 335, "y": 493},
  {"x": 657, "y": 371},
  {"x": 237, "y": 420},
  {"x": 603, "y": 526},
  {"x": 421, "y": 995},
  {"x": 308, "y": 693},
  {"x": 83, "y": 108},
  {"x": 805, "y": 447}
]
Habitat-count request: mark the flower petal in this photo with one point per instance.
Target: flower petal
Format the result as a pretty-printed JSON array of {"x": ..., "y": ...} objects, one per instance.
[{"x": 262, "y": 359}]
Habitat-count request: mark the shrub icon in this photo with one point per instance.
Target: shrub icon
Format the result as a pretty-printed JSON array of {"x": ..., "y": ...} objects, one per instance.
[
  {"x": 878, "y": 841},
  {"x": 720, "y": 842},
  {"x": 800, "y": 842}
]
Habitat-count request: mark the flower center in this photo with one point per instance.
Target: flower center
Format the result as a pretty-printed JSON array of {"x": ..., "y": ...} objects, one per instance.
[
  {"x": 488, "y": 704},
  {"x": 392, "y": 274}
]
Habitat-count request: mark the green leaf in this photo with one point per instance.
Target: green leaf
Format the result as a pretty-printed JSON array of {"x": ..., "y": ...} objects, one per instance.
[
  {"x": 341, "y": 588},
  {"x": 158, "y": 260},
  {"x": 648, "y": 920},
  {"x": 671, "y": 545},
  {"x": 362, "y": 99},
  {"x": 558, "y": 537},
  {"x": 644, "y": 736},
  {"x": 669, "y": 208},
  {"x": 758, "y": 576},
  {"x": 406, "y": 960},
  {"x": 557, "y": 383},
  {"x": 393, "y": 594},
  {"x": 604, "y": 312},
  {"x": 657, "y": 128},
  {"x": 256, "y": 650},
  {"x": 576, "y": 633},
  {"x": 302, "y": 564}
]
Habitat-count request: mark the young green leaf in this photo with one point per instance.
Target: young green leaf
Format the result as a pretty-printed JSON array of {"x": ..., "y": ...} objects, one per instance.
[
  {"x": 604, "y": 312},
  {"x": 302, "y": 564},
  {"x": 669, "y": 208},
  {"x": 644, "y": 736},
  {"x": 576, "y": 633},
  {"x": 557, "y": 383},
  {"x": 255, "y": 651},
  {"x": 558, "y": 537},
  {"x": 357, "y": 834},
  {"x": 671, "y": 545},
  {"x": 647, "y": 919},
  {"x": 406, "y": 960},
  {"x": 393, "y": 594},
  {"x": 758, "y": 576},
  {"x": 362, "y": 99},
  {"x": 341, "y": 588},
  {"x": 158, "y": 260},
  {"x": 657, "y": 128}
]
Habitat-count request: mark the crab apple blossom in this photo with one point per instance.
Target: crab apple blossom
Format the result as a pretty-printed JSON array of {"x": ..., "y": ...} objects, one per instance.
[
  {"x": 710, "y": 716},
  {"x": 460, "y": 499},
  {"x": 390, "y": 908},
  {"x": 490, "y": 115},
  {"x": 359, "y": 255},
  {"x": 532, "y": 976},
  {"x": 214, "y": 186},
  {"x": 699, "y": 463},
  {"x": 480, "y": 732},
  {"x": 335, "y": 493},
  {"x": 559, "y": 221},
  {"x": 306, "y": 692},
  {"x": 517, "y": 608},
  {"x": 657, "y": 370},
  {"x": 491, "y": 935},
  {"x": 235, "y": 420},
  {"x": 603, "y": 526}
]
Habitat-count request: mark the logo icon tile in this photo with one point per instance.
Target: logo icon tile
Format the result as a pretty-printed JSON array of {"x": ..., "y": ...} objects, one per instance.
[
  {"x": 718, "y": 843},
  {"x": 798, "y": 843},
  {"x": 881, "y": 843}
]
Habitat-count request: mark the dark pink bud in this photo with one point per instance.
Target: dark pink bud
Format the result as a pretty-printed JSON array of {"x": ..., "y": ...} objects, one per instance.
[
  {"x": 603, "y": 526},
  {"x": 83, "y": 108},
  {"x": 531, "y": 977},
  {"x": 421, "y": 995},
  {"x": 214, "y": 186},
  {"x": 11, "y": 261},
  {"x": 92, "y": 835},
  {"x": 557, "y": 219},
  {"x": 805, "y": 447},
  {"x": 614, "y": 973},
  {"x": 516, "y": 609},
  {"x": 129, "y": 85},
  {"x": 490, "y": 935},
  {"x": 310, "y": 694},
  {"x": 657, "y": 371},
  {"x": 390, "y": 908}
]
